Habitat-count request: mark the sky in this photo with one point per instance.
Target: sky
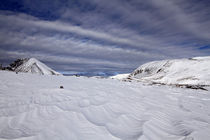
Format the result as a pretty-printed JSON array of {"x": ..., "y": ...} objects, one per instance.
[{"x": 103, "y": 36}]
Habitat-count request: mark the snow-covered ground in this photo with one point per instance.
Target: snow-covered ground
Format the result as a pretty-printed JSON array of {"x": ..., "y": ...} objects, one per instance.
[
  {"x": 193, "y": 71},
  {"x": 120, "y": 76},
  {"x": 33, "y": 107}
]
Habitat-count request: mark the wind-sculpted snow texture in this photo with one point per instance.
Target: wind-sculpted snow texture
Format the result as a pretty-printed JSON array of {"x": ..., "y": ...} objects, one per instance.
[
  {"x": 192, "y": 71},
  {"x": 33, "y": 107}
]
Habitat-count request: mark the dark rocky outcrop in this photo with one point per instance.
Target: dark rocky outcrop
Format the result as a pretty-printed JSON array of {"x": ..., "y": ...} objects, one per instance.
[{"x": 12, "y": 66}]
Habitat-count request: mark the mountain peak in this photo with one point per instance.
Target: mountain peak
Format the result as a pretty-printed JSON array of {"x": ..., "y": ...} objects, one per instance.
[{"x": 32, "y": 65}]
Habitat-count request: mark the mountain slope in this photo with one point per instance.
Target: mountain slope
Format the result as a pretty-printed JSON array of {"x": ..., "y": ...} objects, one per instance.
[
  {"x": 192, "y": 71},
  {"x": 33, "y": 65},
  {"x": 120, "y": 76}
]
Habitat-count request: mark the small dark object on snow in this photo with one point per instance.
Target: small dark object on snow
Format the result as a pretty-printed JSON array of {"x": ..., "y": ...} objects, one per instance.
[
  {"x": 16, "y": 72},
  {"x": 61, "y": 86},
  {"x": 196, "y": 87},
  {"x": 77, "y": 75}
]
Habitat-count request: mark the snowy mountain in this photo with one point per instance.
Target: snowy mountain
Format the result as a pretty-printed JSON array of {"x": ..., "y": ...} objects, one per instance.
[
  {"x": 34, "y": 107},
  {"x": 120, "y": 76},
  {"x": 192, "y": 71},
  {"x": 32, "y": 65}
]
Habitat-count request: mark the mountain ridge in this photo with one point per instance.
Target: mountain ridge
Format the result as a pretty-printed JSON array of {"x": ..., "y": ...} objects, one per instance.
[
  {"x": 31, "y": 65},
  {"x": 191, "y": 71}
]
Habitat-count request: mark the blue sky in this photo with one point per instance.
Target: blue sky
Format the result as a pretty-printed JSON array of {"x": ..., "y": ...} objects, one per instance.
[{"x": 103, "y": 35}]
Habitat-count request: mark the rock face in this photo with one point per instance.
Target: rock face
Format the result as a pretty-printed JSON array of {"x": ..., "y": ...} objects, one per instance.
[
  {"x": 192, "y": 71},
  {"x": 32, "y": 65},
  {"x": 17, "y": 63}
]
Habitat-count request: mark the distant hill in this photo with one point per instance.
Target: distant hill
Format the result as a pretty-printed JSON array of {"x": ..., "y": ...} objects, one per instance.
[
  {"x": 192, "y": 71},
  {"x": 30, "y": 65}
]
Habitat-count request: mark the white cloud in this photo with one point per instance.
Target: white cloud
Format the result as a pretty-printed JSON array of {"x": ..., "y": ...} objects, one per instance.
[{"x": 142, "y": 31}]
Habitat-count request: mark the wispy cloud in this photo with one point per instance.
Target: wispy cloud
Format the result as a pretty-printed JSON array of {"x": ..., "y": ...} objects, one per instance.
[{"x": 107, "y": 35}]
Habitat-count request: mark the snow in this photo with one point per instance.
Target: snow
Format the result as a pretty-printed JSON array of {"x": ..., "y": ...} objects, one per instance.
[
  {"x": 193, "y": 71},
  {"x": 120, "y": 76},
  {"x": 33, "y": 107},
  {"x": 33, "y": 65}
]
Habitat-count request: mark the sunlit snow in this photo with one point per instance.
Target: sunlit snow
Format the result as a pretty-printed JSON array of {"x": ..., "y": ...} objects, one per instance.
[{"x": 33, "y": 107}]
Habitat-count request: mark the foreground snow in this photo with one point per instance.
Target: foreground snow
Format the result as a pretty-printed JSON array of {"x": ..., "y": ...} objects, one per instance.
[
  {"x": 33, "y": 107},
  {"x": 193, "y": 71}
]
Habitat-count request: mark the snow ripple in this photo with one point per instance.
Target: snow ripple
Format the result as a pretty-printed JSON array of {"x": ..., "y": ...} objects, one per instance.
[{"x": 39, "y": 110}]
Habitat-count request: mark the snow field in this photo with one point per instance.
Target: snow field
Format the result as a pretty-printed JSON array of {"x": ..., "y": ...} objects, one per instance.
[{"x": 33, "y": 107}]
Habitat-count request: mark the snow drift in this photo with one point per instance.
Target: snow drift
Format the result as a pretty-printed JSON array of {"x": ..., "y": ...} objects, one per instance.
[
  {"x": 33, "y": 107},
  {"x": 32, "y": 65},
  {"x": 120, "y": 76},
  {"x": 192, "y": 71}
]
